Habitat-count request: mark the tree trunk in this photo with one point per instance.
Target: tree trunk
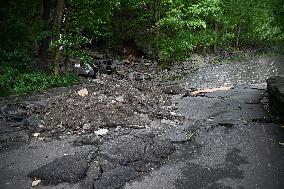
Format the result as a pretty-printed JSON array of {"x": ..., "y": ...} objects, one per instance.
[
  {"x": 44, "y": 44},
  {"x": 238, "y": 36},
  {"x": 215, "y": 36},
  {"x": 56, "y": 34},
  {"x": 157, "y": 19}
]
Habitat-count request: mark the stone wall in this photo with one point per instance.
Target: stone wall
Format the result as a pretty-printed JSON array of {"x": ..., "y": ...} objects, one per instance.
[{"x": 275, "y": 89}]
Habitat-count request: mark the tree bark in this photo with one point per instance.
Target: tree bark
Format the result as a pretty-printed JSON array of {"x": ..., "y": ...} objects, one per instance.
[
  {"x": 44, "y": 44},
  {"x": 238, "y": 36},
  {"x": 157, "y": 19},
  {"x": 215, "y": 36},
  {"x": 56, "y": 34}
]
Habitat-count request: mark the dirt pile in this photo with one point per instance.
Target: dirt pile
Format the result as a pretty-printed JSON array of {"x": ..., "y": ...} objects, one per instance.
[{"x": 104, "y": 103}]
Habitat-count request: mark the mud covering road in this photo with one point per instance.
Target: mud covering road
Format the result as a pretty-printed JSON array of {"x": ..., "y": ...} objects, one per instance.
[{"x": 158, "y": 138}]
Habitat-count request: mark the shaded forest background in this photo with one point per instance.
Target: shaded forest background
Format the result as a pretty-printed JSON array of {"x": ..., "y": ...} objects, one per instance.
[{"x": 36, "y": 36}]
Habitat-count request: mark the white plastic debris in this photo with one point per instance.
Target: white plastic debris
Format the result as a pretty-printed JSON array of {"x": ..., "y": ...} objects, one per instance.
[
  {"x": 36, "y": 134},
  {"x": 36, "y": 182},
  {"x": 101, "y": 132},
  {"x": 83, "y": 92}
]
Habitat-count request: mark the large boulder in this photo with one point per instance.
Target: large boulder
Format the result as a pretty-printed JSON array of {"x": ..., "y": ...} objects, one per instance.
[{"x": 275, "y": 89}]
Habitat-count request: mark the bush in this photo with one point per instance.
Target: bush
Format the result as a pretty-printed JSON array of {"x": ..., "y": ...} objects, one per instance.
[{"x": 12, "y": 81}]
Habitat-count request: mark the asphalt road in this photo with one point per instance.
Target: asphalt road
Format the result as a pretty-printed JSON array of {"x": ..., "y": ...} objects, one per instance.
[
  {"x": 232, "y": 147},
  {"x": 225, "y": 142}
]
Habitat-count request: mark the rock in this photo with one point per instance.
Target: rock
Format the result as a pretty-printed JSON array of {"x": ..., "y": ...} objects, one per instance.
[
  {"x": 275, "y": 88},
  {"x": 101, "y": 132},
  {"x": 13, "y": 135},
  {"x": 86, "y": 126},
  {"x": 173, "y": 90},
  {"x": 104, "y": 66},
  {"x": 13, "y": 112},
  {"x": 36, "y": 134},
  {"x": 116, "y": 177},
  {"x": 87, "y": 140},
  {"x": 120, "y": 99},
  {"x": 69, "y": 168},
  {"x": 34, "y": 124}
]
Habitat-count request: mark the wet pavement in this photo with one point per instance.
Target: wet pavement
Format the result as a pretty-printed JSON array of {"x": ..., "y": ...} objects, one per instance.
[
  {"x": 230, "y": 148},
  {"x": 247, "y": 72},
  {"x": 214, "y": 140}
]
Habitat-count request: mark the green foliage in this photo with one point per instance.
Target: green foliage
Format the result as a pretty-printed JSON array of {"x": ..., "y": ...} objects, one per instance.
[
  {"x": 15, "y": 81},
  {"x": 186, "y": 26},
  {"x": 19, "y": 76},
  {"x": 19, "y": 58},
  {"x": 166, "y": 30},
  {"x": 20, "y": 24}
]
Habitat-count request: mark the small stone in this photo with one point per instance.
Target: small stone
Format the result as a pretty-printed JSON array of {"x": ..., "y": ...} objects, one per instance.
[
  {"x": 34, "y": 124},
  {"x": 86, "y": 126},
  {"x": 173, "y": 113},
  {"x": 120, "y": 99},
  {"x": 101, "y": 132},
  {"x": 36, "y": 134}
]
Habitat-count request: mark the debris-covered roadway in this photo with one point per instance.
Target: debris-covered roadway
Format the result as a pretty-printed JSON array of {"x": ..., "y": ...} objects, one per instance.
[{"x": 114, "y": 133}]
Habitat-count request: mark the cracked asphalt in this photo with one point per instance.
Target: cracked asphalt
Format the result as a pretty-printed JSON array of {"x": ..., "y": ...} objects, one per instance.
[{"x": 230, "y": 148}]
